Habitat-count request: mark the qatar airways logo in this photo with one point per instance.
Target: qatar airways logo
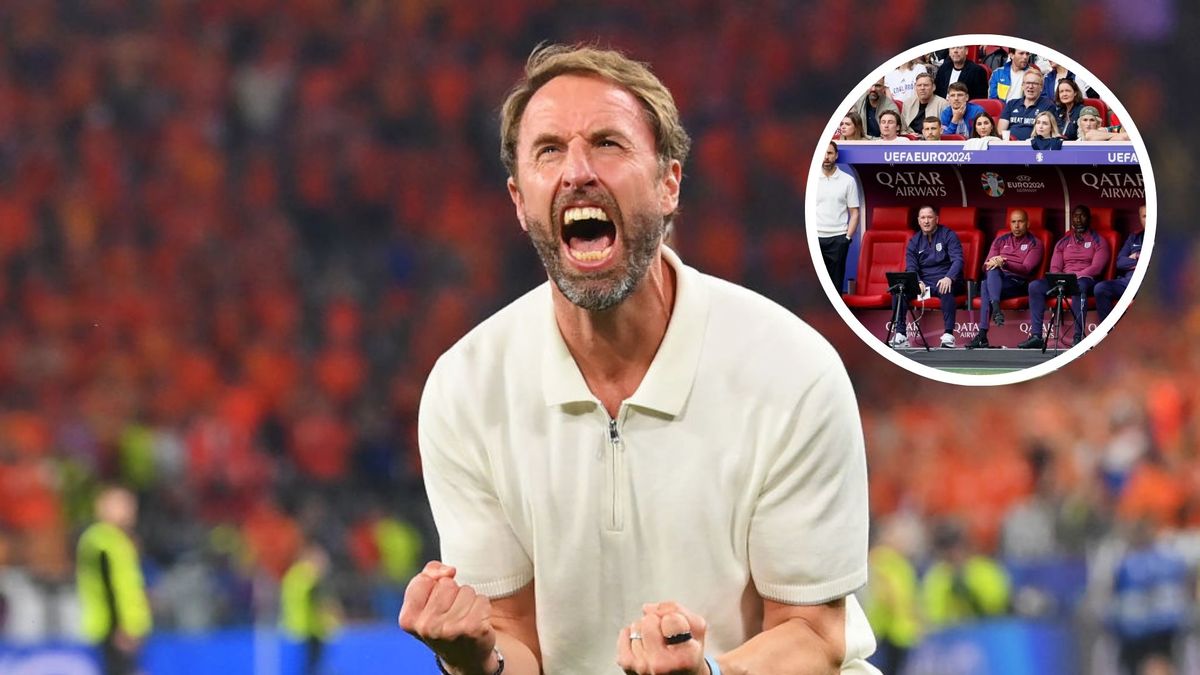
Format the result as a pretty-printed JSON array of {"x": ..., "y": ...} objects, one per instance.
[
  {"x": 1115, "y": 184},
  {"x": 913, "y": 183}
]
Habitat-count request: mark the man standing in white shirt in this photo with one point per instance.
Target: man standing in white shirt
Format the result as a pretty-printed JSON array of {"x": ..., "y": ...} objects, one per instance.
[
  {"x": 634, "y": 464},
  {"x": 836, "y": 215}
]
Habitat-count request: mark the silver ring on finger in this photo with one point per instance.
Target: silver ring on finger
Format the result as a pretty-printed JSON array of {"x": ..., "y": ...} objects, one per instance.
[{"x": 634, "y": 635}]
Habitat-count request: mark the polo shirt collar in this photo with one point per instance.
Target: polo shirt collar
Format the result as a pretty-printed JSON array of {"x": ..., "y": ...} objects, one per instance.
[{"x": 668, "y": 381}]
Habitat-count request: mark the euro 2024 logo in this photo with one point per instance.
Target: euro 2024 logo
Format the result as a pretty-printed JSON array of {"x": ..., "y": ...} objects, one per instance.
[{"x": 993, "y": 183}]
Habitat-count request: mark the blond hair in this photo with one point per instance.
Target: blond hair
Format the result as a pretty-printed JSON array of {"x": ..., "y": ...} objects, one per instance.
[{"x": 548, "y": 61}]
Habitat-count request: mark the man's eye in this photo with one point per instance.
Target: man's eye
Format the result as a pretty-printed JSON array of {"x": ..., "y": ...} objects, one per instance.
[
  {"x": 545, "y": 150},
  {"x": 608, "y": 143}
]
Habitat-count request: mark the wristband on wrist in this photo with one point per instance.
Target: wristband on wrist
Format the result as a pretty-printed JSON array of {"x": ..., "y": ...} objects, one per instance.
[
  {"x": 713, "y": 668},
  {"x": 499, "y": 658}
]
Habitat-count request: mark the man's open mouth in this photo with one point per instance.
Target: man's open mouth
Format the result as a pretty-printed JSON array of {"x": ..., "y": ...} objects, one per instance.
[{"x": 588, "y": 233}]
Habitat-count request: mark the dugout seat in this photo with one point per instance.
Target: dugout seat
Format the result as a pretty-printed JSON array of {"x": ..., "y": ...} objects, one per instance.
[
  {"x": 959, "y": 218},
  {"x": 880, "y": 252},
  {"x": 993, "y": 106},
  {"x": 1102, "y": 218},
  {"x": 890, "y": 218}
]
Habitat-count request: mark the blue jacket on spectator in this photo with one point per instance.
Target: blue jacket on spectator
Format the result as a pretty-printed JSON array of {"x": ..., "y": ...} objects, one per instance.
[{"x": 963, "y": 127}]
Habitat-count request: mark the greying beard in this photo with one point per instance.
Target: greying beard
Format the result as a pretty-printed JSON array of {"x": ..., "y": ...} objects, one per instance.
[{"x": 603, "y": 290}]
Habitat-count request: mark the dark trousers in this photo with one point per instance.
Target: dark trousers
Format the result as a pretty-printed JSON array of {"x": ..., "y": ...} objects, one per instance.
[
  {"x": 998, "y": 285},
  {"x": 946, "y": 300},
  {"x": 1037, "y": 304},
  {"x": 1107, "y": 293},
  {"x": 834, "y": 250},
  {"x": 117, "y": 662},
  {"x": 313, "y": 649}
]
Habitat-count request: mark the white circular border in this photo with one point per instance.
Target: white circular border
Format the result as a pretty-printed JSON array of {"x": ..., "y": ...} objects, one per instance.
[{"x": 1065, "y": 357}]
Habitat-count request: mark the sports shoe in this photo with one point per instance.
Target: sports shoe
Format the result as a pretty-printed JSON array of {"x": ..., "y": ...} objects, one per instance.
[
  {"x": 898, "y": 340},
  {"x": 948, "y": 340},
  {"x": 980, "y": 341},
  {"x": 1034, "y": 342},
  {"x": 1078, "y": 338},
  {"x": 997, "y": 315}
]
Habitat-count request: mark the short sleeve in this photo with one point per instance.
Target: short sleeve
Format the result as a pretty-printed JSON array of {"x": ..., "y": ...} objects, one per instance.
[
  {"x": 851, "y": 193},
  {"x": 808, "y": 535},
  {"x": 476, "y": 535}
]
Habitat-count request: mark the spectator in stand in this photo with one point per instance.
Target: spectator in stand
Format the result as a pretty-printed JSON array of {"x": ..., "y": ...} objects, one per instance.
[
  {"x": 851, "y": 128},
  {"x": 1005, "y": 81},
  {"x": 1045, "y": 132},
  {"x": 931, "y": 129},
  {"x": 1068, "y": 103},
  {"x": 1091, "y": 127},
  {"x": 1056, "y": 73},
  {"x": 1108, "y": 292},
  {"x": 959, "y": 114},
  {"x": 889, "y": 126},
  {"x": 921, "y": 104},
  {"x": 873, "y": 104},
  {"x": 901, "y": 82},
  {"x": 308, "y": 611},
  {"x": 957, "y": 68},
  {"x": 1081, "y": 252},
  {"x": 1012, "y": 259},
  {"x": 984, "y": 127},
  {"x": 1019, "y": 113}
]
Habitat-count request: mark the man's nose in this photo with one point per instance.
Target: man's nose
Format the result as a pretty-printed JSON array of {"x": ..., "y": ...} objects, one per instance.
[{"x": 578, "y": 170}]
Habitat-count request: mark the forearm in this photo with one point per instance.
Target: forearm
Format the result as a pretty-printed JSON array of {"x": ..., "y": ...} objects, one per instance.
[
  {"x": 853, "y": 225},
  {"x": 793, "y": 647},
  {"x": 519, "y": 658}
]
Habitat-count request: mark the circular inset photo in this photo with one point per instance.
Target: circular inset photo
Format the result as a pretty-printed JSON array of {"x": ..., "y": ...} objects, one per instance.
[{"x": 980, "y": 209}]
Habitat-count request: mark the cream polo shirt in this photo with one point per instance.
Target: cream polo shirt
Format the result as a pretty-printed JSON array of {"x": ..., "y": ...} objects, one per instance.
[
  {"x": 836, "y": 195},
  {"x": 736, "y": 467}
]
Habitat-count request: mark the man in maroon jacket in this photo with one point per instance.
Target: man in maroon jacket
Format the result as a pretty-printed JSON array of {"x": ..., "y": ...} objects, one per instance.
[
  {"x": 1011, "y": 261},
  {"x": 1081, "y": 252}
]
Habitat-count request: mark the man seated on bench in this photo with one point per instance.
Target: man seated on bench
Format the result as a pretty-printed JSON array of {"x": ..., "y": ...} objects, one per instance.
[
  {"x": 935, "y": 254},
  {"x": 1011, "y": 261},
  {"x": 1081, "y": 252}
]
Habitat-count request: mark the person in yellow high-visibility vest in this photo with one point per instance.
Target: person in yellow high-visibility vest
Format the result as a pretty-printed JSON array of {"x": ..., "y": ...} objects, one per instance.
[
  {"x": 308, "y": 613},
  {"x": 112, "y": 593},
  {"x": 962, "y": 585},
  {"x": 891, "y": 596}
]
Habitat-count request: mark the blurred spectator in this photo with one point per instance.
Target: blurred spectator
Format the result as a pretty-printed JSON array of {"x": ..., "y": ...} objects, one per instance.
[
  {"x": 891, "y": 597},
  {"x": 962, "y": 585},
  {"x": 116, "y": 611},
  {"x": 308, "y": 611},
  {"x": 931, "y": 129},
  {"x": 1152, "y": 597}
]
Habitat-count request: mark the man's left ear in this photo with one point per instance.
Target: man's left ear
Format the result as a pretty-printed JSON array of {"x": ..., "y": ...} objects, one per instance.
[{"x": 670, "y": 181}]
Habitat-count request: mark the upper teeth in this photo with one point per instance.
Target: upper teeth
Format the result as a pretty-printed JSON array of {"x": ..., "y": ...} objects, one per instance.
[{"x": 583, "y": 213}]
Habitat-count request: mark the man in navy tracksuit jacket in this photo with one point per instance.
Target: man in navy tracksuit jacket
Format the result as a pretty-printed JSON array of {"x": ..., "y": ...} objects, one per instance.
[
  {"x": 1107, "y": 292},
  {"x": 936, "y": 255}
]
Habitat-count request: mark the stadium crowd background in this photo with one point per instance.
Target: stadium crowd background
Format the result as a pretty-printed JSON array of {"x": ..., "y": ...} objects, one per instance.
[{"x": 234, "y": 236}]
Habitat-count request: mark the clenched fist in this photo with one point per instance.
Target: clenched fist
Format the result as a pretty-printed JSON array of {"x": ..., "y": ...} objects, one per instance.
[
  {"x": 451, "y": 619},
  {"x": 652, "y": 645}
]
